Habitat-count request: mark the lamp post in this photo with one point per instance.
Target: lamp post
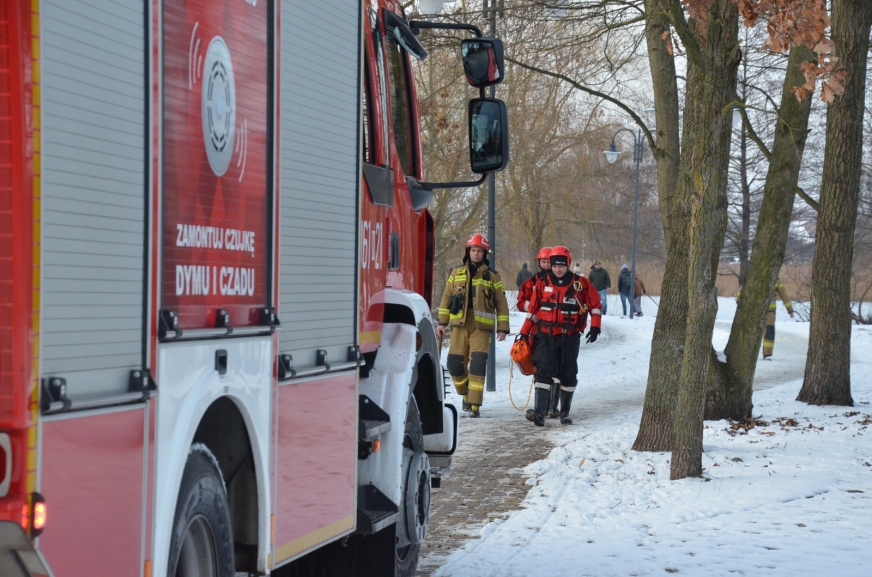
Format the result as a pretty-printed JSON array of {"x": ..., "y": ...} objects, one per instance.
[
  {"x": 491, "y": 380},
  {"x": 612, "y": 155}
]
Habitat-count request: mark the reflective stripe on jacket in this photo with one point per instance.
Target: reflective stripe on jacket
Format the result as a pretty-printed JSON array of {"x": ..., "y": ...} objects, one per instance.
[
  {"x": 487, "y": 301},
  {"x": 562, "y": 309},
  {"x": 782, "y": 294},
  {"x": 778, "y": 290}
]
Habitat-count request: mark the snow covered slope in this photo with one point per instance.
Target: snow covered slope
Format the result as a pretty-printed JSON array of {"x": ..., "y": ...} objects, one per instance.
[{"x": 791, "y": 497}]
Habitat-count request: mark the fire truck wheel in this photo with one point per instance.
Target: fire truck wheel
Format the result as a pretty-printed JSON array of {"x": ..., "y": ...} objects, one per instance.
[
  {"x": 202, "y": 539},
  {"x": 416, "y": 497}
]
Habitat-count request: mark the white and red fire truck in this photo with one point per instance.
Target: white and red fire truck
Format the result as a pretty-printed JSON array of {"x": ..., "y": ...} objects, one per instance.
[{"x": 216, "y": 272}]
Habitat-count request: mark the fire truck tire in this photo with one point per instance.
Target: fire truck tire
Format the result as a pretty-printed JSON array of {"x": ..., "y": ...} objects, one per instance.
[
  {"x": 416, "y": 496},
  {"x": 202, "y": 538}
]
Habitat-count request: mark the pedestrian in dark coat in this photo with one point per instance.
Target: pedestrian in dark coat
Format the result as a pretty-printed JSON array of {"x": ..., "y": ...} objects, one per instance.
[
  {"x": 599, "y": 278},
  {"x": 625, "y": 288},
  {"x": 523, "y": 275}
]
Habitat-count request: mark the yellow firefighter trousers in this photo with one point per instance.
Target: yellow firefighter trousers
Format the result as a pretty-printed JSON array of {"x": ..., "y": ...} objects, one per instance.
[
  {"x": 769, "y": 335},
  {"x": 469, "y": 346}
]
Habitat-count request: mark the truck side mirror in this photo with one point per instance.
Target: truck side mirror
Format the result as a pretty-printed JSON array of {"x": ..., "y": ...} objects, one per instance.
[
  {"x": 404, "y": 35},
  {"x": 482, "y": 61},
  {"x": 488, "y": 135}
]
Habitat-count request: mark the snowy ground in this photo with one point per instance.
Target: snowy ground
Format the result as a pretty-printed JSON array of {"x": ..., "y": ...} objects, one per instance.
[{"x": 788, "y": 498}]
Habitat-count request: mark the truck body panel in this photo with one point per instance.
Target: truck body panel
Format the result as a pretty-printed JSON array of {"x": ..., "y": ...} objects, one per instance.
[
  {"x": 94, "y": 469},
  {"x": 316, "y": 468},
  {"x": 208, "y": 244}
]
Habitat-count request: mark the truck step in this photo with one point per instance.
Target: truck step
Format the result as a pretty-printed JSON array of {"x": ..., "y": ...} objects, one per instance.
[
  {"x": 373, "y": 419},
  {"x": 375, "y": 510}
]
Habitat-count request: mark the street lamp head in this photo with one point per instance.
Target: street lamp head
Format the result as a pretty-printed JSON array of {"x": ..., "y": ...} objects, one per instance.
[
  {"x": 431, "y": 6},
  {"x": 652, "y": 117},
  {"x": 612, "y": 153},
  {"x": 737, "y": 116}
]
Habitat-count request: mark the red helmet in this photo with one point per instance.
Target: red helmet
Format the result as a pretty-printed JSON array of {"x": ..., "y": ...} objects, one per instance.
[
  {"x": 478, "y": 240},
  {"x": 544, "y": 252},
  {"x": 561, "y": 251}
]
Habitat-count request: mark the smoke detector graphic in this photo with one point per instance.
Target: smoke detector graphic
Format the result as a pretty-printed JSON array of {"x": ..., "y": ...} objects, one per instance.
[{"x": 218, "y": 106}]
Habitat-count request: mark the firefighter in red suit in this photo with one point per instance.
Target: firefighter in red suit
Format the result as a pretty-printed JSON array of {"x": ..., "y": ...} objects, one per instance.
[
  {"x": 525, "y": 291},
  {"x": 557, "y": 313}
]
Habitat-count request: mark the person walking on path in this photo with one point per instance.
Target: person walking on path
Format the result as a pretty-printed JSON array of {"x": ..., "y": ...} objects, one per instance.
[
  {"x": 625, "y": 288},
  {"x": 599, "y": 278},
  {"x": 778, "y": 292},
  {"x": 525, "y": 291},
  {"x": 557, "y": 314},
  {"x": 523, "y": 275},
  {"x": 769, "y": 334},
  {"x": 474, "y": 300},
  {"x": 637, "y": 296},
  {"x": 524, "y": 295}
]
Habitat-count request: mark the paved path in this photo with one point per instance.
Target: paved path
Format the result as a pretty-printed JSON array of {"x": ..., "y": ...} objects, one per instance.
[{"x": 486, "y": 482}]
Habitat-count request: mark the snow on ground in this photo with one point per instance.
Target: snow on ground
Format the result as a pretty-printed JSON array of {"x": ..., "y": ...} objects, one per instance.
[{"x": 788, "y": 498}]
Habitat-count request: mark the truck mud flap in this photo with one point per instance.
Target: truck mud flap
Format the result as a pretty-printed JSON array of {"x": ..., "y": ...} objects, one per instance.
[{"x": 18, "y": 558}]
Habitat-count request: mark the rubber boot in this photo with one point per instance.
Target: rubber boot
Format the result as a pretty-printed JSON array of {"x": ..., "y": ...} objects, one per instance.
[
  {"x": 565, "y": 404},
  {"x": 466, "y": 406},
  {"x": 474, "y": 411},
  {"x": 537, "y": 414},
  {"x": 554, "y": 411}
]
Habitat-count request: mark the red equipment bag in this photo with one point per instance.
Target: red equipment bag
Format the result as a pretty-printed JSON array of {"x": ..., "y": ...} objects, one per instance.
[{"x": 522, "y": 354}]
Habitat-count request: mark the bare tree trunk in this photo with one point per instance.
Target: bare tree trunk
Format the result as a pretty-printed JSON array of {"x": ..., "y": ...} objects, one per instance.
[
  {"x": 730, "y": 394},
  {"x": 828, "y": 364},
  {"x": 667, "y": 348},
  {"x": 745, "y": 239},
  {"x": 711, "y": 83}
]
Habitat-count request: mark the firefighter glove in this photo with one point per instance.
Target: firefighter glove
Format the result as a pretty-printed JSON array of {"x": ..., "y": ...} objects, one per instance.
[{"x": 592, "y": 334}]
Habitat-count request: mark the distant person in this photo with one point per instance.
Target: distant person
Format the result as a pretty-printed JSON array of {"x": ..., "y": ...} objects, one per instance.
[
  {"x": 576, "y": 268},
  {"x": 599, "y": 278},
  {"x": 525, "y": 291},
  {"x": 637, "y": 296},
  {"x": 625, "y": 288},
  {"x": 769, "y": 331},
  {"x": 769, "y": 335},
  {"x": 523, "y": 275}
]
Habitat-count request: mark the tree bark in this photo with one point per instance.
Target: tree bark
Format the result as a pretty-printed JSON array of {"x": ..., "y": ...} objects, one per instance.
[
  {"x": 711, "y": 83},
  {"x": 732, "y": 385},
  {"x": 828, "y": 364},
  {"x": 667, "y": 348}
]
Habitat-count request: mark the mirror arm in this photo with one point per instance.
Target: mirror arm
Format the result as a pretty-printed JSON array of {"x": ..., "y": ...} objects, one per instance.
[
  {"x": 434, "y": 185},
  {"x": 424, "y": 25}
]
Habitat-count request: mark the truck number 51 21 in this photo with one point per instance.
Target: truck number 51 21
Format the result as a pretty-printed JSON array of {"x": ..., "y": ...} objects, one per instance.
[{"x": 373, "y": 241}]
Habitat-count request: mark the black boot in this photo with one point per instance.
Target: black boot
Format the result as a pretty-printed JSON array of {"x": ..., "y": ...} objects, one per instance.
[
  {"x": 537, "y": 414},
  {"x": 565, "y": 404},
  {"x": 554, "y": 402}
]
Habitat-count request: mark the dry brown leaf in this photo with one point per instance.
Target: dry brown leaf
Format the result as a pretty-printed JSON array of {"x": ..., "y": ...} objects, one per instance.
[{"x": 581, "y": 464}]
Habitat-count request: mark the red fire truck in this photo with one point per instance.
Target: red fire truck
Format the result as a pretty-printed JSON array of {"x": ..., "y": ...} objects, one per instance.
[{"x": 216, "y": 272}]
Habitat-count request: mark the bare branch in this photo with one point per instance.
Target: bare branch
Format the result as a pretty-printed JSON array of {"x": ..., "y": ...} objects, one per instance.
[
  {"x": 593, "y": 92},
  {"x": 808, "y": 200}
]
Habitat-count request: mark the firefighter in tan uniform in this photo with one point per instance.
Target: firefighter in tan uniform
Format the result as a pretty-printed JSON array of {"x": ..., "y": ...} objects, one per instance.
[
  {"x": 769, "y": 335},
  {"x": 474, "y": 300}
]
